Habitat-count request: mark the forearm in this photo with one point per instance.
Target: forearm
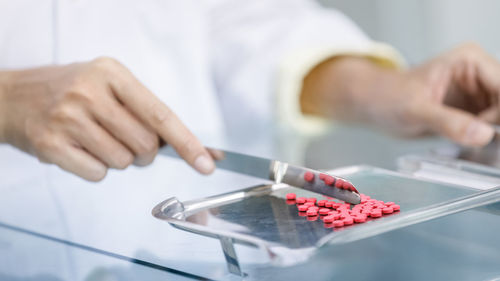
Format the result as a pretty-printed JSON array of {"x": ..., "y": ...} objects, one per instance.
[{"x": 342, "y": 87}]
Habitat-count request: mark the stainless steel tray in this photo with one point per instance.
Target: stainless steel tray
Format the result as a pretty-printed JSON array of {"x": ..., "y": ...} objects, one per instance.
[{"x": 260, "y": 217}]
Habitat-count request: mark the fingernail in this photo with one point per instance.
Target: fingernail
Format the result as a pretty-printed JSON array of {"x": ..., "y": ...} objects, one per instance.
[
  {"x": 204, "y": 164},
  {"x": 479, "y": 133}
]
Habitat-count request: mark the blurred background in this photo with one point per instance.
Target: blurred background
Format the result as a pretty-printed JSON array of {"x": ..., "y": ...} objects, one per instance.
[{"x": 420, "y": 29}]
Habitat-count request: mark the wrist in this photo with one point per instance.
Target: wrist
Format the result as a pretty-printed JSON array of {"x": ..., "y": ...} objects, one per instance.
[
  {"x": 5, "y": 89},
  {"x": 341, "y": 88},
  {"x": 3, "y": 101}
]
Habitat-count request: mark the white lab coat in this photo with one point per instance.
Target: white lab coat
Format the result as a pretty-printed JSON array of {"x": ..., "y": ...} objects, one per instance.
[{"x": 214, "y": 62}]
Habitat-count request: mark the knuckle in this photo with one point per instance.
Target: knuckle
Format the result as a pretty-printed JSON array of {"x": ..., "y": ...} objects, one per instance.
[
  {"x": 148, "y": 145},
  {"x": 190, "y": 148},
  {"x": 122, "y": 160},
  {"x": 65, "y": 113},
  {"x": 105, "y": 63},
  {"x": 46, "y": 146},
  {"x": 161, "y": 113}
]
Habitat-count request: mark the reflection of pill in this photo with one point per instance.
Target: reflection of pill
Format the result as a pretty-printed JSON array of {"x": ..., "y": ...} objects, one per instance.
[
  {"x": 290, "y": 196},
  {"x": 324, "y": 211},
  {"x": 303, "y": 208},
  {"x": 395, "y": 207},
  {"x": 311, "y": 212},
  {"x": 290, "y": 202},
  {"x": 328, "y": 225},
  {"x": 338, "y": 223},
  {"x": 302, "y": 214},
  {"x": 346, "y": 185},
  {"x": 329, "y": 180},
  {"x": 339, "y": 183},
  {"x": 321, "y": 203},
  {"x": 301, "y": 200},
  {"x": 312, "y": 218},
  {"x": 387, "y": 210},
  {"x": 308, "y": 176}
]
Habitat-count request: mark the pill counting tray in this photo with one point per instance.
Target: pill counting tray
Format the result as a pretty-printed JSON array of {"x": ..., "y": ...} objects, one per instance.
[{"x": 260, "y": 217}]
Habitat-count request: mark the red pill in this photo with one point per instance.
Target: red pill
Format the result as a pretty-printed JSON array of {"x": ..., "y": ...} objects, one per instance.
[
  {"x": 322, "y": 176},
  {"x": 321, "y": 203},
  {"x": 339, "y": 183},
  {"x": 328, "y": 204},
  {"x": 344, "y": 215},
  {"x": 309, "y": 204},
  {"x": 336, "y": 205},
  {"x": 303, "y": 208},
  {"x": 376, "y": 214},
  {"x": 301, "y": 200},
  {"x": 360, "y": 218},
  {"x": 396, "y": 207},
  {"x": 338, "y": 223},
  {"x": 311, "y": 199},
  {"x": 329, "y": 180},
  {"x": 311, "y": 213},
  {"x": 328, "y": 219},
  {"x": 309, "y": 176},
  {"x": 387, "y": 210},
  {"x": 324, "y": 211},
  {"x": 355, "y": 213},
  {"x": 290, "y": 196},
  {"x": 366, "y": 212},
  {"x": 389, "y": 203},
  {"x": 335, "y": 216},
  {"x": 313, "y": 208},
  {"x": 348, "y": 221}
]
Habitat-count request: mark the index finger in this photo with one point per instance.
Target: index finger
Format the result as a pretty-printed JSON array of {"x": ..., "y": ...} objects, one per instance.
[{"x": 153, "y": 112}]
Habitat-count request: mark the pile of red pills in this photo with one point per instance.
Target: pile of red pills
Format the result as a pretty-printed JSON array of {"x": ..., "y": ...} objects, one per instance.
[
  {"x": 339, "y": 214},
  {"x": 330, "y": 180}
]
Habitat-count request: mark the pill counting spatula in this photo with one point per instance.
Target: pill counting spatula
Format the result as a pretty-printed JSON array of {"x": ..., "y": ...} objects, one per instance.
[{"x": 280, "y": 172}]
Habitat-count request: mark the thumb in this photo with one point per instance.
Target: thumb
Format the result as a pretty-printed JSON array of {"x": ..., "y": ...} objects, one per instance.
[{"x": 458, "y": 125}]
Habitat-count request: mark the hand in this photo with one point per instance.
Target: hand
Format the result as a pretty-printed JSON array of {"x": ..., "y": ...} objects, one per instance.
[
  {"x": 455, "y": 95},
  {"x": 88, "y": 117}
]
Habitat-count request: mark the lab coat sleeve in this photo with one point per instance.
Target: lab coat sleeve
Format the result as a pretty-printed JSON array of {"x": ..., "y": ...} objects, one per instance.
[{"x": 262, "y": 50}]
